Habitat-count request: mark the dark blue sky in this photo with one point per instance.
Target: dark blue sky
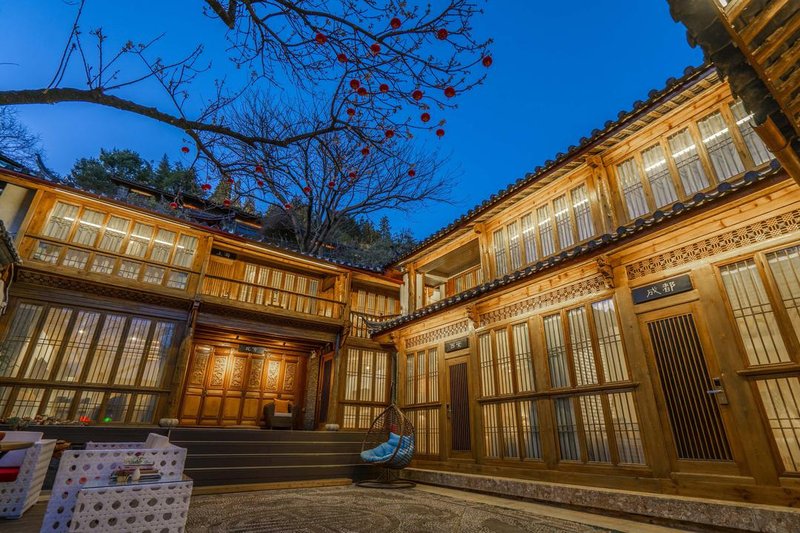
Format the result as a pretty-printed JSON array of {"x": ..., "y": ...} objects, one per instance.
[{"x": 560, "y": 70}]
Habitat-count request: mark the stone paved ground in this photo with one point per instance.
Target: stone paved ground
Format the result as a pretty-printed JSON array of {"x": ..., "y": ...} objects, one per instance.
[{"x": 353, "y": 509}]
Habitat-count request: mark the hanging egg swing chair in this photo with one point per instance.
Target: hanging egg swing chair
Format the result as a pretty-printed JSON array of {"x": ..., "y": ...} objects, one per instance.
[{"x": 389, "y": 444}]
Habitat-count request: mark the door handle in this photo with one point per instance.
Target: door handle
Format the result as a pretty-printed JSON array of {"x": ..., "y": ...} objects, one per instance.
[
  {"x": 449, "y": 411},
  {"x": 718, "y": 391}
]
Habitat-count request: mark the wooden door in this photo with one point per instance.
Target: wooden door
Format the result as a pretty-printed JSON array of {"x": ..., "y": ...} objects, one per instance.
[
  {"x": 229, "y": 388},
  {"x": 687, "y": 378},
  {"x": 459, "y": 431},
  {"x": 325, "y": 384}
]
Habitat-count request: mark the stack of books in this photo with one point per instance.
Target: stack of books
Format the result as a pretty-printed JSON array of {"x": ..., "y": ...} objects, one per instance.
[{"x": 126, "y": 473}]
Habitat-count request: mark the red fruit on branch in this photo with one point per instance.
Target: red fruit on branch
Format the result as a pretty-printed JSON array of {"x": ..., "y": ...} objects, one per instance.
[
  {"x": 259, "y": 183},
  {"x": 442, "y": 34},
  {"x": 440, "y": 133},
  {"x": 365, "y": 150},
  {"x": 487, "y": 61},
  {"x": 342, "y": 58},
  {"x": 362, "y": 91},
  {"x": 185, "y": 149},
  {"x": 331, "y": 184},
  {"x": 425, "y": 117},
  {"x": 375, "y": 48},
  {"x": 352, "y": 175},
  {"x": 306, "y": 189},
  {"x": 417, "y": 95},
  {"x": 320, "y": 38},
  {"x": 206, "y": 186},
  {"x": 449, "y": 92},
  {"x": 351, "y": 111},
  {"x": 384, "y": 88},
  {"x": 226, "y": 202},
  {"x": 395, "y": 23},
  {"x": 355, "y": 84},
  {"x": 230, "y": 180},
  {"x": 259, "y": 169},
  {"x": 389, "y": 134},
  {"x": 412, "y": 172},
  {"x": 173, "y": 205}
]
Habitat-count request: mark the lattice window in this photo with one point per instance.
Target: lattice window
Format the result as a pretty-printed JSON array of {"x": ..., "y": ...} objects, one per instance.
[
  {"x": 556, "y": 352},
  {"x": 514, "y": 251},
  {"x": 583, "y": 213},
  {"x": 567, "y": 430},
  {"x": 687, "y": 159},
  {"x": 563, "y": 222},
  {"x": 719, "y": 144},
  {"x": 529, "y": 238},
  {"x": 659, "y": 175},
  {"x": 632, "y": 189},
  {"x": 756, "y": 147},
  {"x": 523, "y": 358},
  {"x": 545, "y": 224},
  {"x": 500, "y": 260},
  {"x": 625, "y": 422}
]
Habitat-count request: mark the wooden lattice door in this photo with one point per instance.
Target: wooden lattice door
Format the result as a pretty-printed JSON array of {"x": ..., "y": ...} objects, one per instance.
[
  {"x": 687, "y": 375},
  {"x": 458, "y": 414}
]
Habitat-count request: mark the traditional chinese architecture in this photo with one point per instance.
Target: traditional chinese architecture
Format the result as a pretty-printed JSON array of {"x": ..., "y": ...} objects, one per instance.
[{"x": 627, "y": 315}]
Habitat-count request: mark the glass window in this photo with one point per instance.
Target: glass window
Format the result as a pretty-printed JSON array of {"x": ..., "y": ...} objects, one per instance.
[
  {"x": 19, "y": 336},
  {"x": 61, "y": 220},
  {"x": 491, "y": 431},
  {"x": 545, "y": 231},
  {"x": 785, "y": 267},
  {"x": 594, "y": 429},
  {"x": 129, "y": 269},
  {"x": 556, "y": 352},
  {"x": 162, "y": 245},
  {"x": 47, "y": 253},
  {"x": 114, "y": 234},
  {"x": 583, "y": 213},
  {"x": 487, "y": 366},
  {"x": 581, "y": 344},
  {"x": 508, "y": 420},
  {"x": 522, "y": 357},
  {"x": 753, "y": 313},
  {"x": 45, "y": 349},
  {"x": 609, "y": 339},
  {"x": 139, "y": 240},
  {"x": 687, "y": 159},
  {"x": 88, "y": 227},
  {"x": 78, "y": 346},
  {"x": 103, "y": 264},
  {"x": 756, "y": 147},
  {"x": 781, "y": 400},
  {"x": 185, "y": 251},
  {"x": 505, "y": 377},
  {"x": 531, "y": 438},
  {"x": 514, "y": 246},
  {"x": 658, "y": 174},
  {"x": 719, "y": 145},
  {"x": 144, "y": 409},
  {"x": 626, "y": 428},
  {"x": 567, "y": 430},
  {"x": 632, "y": 189},
  {"x": 500, "y": 263},
  {"x": 563, "y": 222},
  {"x": 529, "y": 238},
  {"x": 75, "y": 258}
]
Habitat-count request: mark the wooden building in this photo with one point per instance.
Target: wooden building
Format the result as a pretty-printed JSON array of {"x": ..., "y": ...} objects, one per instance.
[
  {"x": 122, "y": 315},
  {"x": 627, "y": 315}
]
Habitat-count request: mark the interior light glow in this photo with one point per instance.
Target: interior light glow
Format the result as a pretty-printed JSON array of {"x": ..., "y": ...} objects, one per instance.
[{"x": 684, "y": 151}]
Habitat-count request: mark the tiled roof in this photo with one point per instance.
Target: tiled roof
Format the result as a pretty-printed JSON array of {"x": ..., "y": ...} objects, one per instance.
[
  {"x": 690, "y": 75},
  {"x": 623, "y": 233}
]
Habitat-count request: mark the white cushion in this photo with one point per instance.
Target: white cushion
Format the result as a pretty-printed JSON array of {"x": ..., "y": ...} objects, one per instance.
[
  {"x": 154, "y": 440},
  {"x": 17, "y": 457}
]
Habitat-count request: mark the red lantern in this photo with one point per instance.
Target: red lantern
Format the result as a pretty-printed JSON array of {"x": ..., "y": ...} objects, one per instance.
[
  {"x": 449, "y": 92},
  {"x": 425, "y": 117},
  {"x": 412, "y": 172},
  {"x": 351, "y": 111},
  {"x": 362, "y": 91},
  {"x": 487, "y": 61},
  {"x": 342, "y": 58},
  {"x": 321, "y": 38},
  {"x": 259, "y": 169},
  {"x": 185, "y": 149},
  {"x": 442, "y": 34},
  {"x": 389, "y": 134},
  {"x": 206, "y": 186},
  {"x": 331, "y": 184},
  {"x": 375, "y": 48},
  {"x": 226, "y": 202},
  {"x": 306, "y": 189},
  {"x": 384, "y": 88},
  {"x": 173, "y": 205},
  {"x": 395, "y": 23},
  {"x": 365, "y": 150},
  {"x": 352, "y": 175},
  {"x": 417, "y": 95},
  {"x": 355, "y": 84},
  {"x": 440, "y": 133},
  {"x": 260, "y": 183}
]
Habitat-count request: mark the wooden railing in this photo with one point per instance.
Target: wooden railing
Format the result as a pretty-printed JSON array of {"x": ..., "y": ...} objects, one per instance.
[
  {"x": 358, "y": 323},
  {"x": 269, "y": 297},
  {"x": 44, "y": 250},
  {"x": 465, "y": 280}
]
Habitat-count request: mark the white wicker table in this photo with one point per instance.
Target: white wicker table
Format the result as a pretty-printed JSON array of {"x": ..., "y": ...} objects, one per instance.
[{"x": 156, "y": 506}]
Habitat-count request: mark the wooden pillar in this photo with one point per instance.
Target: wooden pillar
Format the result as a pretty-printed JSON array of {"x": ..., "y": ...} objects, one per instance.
[
  {"x": 182, "y": 365},
  {"x": 484, "y": 252},
  {"x": 602, "y": 195}
]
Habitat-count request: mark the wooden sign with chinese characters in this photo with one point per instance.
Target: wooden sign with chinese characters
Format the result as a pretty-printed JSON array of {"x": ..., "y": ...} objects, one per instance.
[
  {"x": 457, "y": 344},
  {"x": 667, "y": 287},
  {"x": 249, "y": 348}
]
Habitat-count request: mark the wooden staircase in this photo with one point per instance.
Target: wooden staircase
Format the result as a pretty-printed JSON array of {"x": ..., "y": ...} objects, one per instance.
[{"x": 221, "y": 456}]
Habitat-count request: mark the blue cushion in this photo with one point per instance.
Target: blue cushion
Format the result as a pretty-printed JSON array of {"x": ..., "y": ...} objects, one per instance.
[{"x": 384, "y": 451}]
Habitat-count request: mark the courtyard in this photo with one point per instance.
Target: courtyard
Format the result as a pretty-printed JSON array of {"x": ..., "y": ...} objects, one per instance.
[{"x": 352, "y": 509}]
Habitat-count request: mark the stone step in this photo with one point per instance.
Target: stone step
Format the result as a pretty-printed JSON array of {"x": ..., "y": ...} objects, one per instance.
[
  {"x": 270, "y": 459},
  {"x": 240, "y": 447},
  {"x": 266, "y": 474},
  {"x": 261, "y": 435}
]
